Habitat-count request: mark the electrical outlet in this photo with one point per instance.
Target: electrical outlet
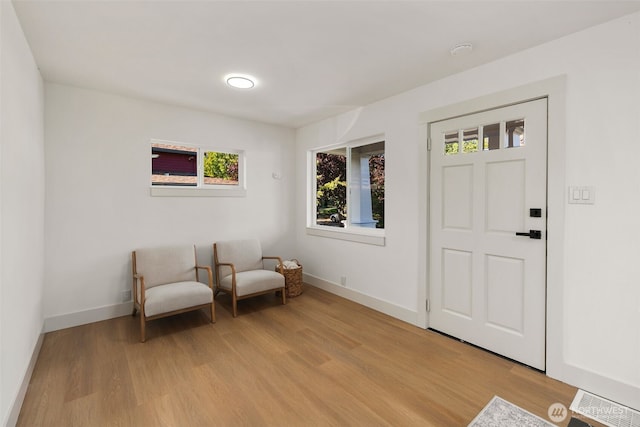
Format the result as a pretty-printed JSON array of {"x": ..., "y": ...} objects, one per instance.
[
  {"x": 126, "y": 295},
  {"x": 343, "y": 280}
]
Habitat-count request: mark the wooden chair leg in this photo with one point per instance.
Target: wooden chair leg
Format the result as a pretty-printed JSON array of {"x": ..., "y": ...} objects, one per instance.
[
  {"x": 284, "y": 296},
  {"x": 142, "y": 328},
  {"x": 213, "y": 312},
  {"x": 235, "y": 306}
]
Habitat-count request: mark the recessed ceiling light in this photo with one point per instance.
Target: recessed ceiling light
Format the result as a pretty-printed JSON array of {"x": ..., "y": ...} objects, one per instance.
[
  {"x": 461, "y": 49},
  {"x": 240, "y": 81}
]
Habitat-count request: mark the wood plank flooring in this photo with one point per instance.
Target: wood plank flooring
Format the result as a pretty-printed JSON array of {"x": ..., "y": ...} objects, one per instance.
[{"x": 319, "y": 360}]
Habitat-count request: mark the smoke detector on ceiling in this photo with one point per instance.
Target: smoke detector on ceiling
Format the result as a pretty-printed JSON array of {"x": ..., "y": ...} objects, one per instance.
[{"x": 461, "y": 49}]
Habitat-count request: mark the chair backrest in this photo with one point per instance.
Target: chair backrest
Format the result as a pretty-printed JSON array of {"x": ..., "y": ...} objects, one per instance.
[
  {"x": 170, "y": 264},
  {"x": 245, "y": 255}
]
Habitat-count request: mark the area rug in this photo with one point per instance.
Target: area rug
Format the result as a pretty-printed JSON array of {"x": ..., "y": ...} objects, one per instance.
[{"x": 500, "y": 413}]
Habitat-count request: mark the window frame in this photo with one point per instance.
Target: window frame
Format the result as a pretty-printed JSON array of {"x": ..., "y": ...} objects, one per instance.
[
  {"x": 350, "y": 232},
  {"x": 201, "y": 189}
]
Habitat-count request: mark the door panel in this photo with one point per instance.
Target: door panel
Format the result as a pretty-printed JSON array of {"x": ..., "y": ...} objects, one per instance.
[
  {"x": 457, "y": 272},
  {"x": 457, "y": 203},
  {"x": 505, "y": 196},
  {"x": 505, "y": 280},
  {"x": 487, "y": 285}
]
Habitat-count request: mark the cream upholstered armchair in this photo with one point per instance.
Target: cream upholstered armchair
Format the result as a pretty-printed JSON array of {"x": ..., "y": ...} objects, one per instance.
[
  {"x": 166, "y": 282},
  {"x": 240, "y": 271}
]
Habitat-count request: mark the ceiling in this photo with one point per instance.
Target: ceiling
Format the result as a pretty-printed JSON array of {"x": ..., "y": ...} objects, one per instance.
[{"x": 312, "y": 59}]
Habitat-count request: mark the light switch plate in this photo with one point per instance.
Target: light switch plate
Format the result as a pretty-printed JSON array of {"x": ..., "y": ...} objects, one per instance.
[{"x": 582, "y": 195}]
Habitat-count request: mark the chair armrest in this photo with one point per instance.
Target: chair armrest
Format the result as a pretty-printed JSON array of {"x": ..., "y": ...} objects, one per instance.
[
  {"x": 280, "y": 266},
  {"x": 209, "y": 273},
  {"x": 233, "y": 274},
  {"x": 138, "y": 278},
  {"x": 225, "y": 264}
]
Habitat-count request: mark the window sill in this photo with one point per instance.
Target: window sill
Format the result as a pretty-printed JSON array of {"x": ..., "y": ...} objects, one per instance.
[
  {"x": 371, "y": 237},
  {"x": 197, "y": 192}
]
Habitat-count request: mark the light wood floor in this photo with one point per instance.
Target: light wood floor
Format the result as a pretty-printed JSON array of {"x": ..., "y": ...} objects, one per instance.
[{"x": 319, "y": 360}]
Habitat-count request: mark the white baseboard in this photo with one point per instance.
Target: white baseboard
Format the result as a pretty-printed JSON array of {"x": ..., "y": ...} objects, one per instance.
[
  {"x": 14, "y": 410},
  {"x": 385, "y": 307},
  {"x": 78, "y": 318},
  {"x": 84, "y": 317},
  {"x": 609, "y": 388}
]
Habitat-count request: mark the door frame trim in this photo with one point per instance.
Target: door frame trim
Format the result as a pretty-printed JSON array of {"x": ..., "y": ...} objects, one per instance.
[{"x": 554, "y": 89}]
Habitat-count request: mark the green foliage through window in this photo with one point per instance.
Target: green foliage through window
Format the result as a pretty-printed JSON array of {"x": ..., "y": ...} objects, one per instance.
[
  {"x": 220, "y": 168},
  {"x": 331, "y": 186}
]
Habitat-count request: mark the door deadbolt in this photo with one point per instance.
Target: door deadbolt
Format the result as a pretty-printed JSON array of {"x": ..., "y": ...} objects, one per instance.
[{"x": 535, "y": 213}]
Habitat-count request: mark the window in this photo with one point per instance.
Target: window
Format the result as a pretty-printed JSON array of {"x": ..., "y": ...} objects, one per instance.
[
  {"x": 220, "y": 168},
  {"x": 181, "y": 166},
  {"x": 174, "y": 165},
  {"x": 512, "y": 131},
  {"x": 349, "y": 186}
]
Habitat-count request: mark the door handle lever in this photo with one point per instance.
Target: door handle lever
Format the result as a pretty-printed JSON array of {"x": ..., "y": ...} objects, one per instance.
[{"x": 532, "y": 234}]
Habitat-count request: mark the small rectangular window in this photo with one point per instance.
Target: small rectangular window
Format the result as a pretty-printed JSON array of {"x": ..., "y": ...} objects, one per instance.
[
  {"x": 470, "y": 140},
  {"x": 221, "y": 168},
  {"x": 451, "y": 145},
  {"x": 491, "y": 137},
  {"x": 514, "y": 133},
  {"x": 176, "y": 165}
]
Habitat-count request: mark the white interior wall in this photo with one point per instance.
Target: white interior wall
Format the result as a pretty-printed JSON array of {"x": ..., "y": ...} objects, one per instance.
[
  {"x": 99, "y": 208},
  {"x": 21, "y": 211},
  {"x": 598, "y": 271}
]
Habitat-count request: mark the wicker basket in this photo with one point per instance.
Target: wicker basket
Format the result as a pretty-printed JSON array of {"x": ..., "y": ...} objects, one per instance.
[{"x": 292, "y": 280}]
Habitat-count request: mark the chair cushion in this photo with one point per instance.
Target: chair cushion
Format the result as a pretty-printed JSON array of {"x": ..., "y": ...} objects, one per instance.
[
  {"x": 250, "y": 282},
  {"x": 176, "y": 296},
  {"x": 245, "y": 255},
  {"x": 171, "y": 264}
]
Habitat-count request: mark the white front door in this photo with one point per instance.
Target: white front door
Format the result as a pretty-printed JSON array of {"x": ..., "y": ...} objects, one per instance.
[{"x": 488, "y": 181}]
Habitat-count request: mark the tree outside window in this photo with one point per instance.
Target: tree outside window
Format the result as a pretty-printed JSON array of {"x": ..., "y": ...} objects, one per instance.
[{"x": 220, "y": 168}]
